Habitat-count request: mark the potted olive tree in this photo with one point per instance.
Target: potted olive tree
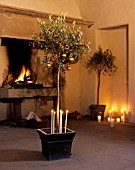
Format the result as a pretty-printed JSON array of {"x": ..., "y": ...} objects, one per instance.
[
  {"x": 63, "y": 45},
  {"x": 103, "y": 63}
]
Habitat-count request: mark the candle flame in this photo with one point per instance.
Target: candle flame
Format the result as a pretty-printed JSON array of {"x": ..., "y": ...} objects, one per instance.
[
  {"x": 61, "y": 111},
  {"x": 123, "y": 110},
  {"x": 110, "y": 111}
]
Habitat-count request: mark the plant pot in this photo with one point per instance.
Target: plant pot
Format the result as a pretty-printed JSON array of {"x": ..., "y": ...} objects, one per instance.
[
  {"x": 58, "y": 145},
  {"x": 96, "y": 110}
]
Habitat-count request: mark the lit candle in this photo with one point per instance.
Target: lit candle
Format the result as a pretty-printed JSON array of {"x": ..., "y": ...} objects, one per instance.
[
  {"x": 110, "y": 114},
  {"x": 99, "y": 118},
  {"x": 60, "y": 128},
  {"x": 108, "y": 119},
  {"x": 124, "y": 115},
  {"x": 121, "y": 118},
  {"x": 123, "y": 111},
  {"x": 118, "y": 120},
  {"x": 53, "y": 131},
  {"x": 66, "y": 120},
  {"x": 112, "y": 122},
  {"x": 52, "y": 121}
]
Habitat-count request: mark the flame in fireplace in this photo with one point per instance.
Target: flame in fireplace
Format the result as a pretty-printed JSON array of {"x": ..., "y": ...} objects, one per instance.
[{"x": 24, "y": 73}]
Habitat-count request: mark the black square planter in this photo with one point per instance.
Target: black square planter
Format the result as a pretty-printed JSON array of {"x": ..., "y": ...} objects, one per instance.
[
  {"x": 58, "y": 145},
  {"x": 96, "y": 110}
]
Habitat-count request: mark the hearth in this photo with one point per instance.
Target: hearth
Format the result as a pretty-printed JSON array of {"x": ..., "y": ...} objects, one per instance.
[{"x": 27, "y": 85}]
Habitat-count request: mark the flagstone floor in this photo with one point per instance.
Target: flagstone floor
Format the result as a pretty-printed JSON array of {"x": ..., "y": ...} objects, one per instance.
[{"x": 96, "y": 146}]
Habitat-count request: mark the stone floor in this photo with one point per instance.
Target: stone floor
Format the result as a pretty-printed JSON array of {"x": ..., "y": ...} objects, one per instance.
[{"x": 96, "y": 146}]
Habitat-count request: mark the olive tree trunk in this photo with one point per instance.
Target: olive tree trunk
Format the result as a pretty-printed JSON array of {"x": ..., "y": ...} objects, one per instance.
[
  {"x": 58, "y": 97},
  {"x": 98, "y": 87}
]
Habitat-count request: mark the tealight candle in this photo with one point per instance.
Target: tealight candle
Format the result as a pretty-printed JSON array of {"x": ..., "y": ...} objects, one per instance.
[{"x": 99, "y": 118}]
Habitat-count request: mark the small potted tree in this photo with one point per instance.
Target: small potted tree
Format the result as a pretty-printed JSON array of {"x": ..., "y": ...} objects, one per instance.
[
  {"x": 63, "y": 45},
  {"x": 102, "y": 62}
]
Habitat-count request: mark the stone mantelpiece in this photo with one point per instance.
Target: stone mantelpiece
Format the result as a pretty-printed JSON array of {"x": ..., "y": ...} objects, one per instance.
[
  {"x": 19, "y": 102},
  {"x": 21, "y": 23},
  {"x": 27, "y": 93}
]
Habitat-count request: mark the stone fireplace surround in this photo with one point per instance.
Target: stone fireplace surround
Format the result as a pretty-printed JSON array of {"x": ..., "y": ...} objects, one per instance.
[
  {"x": 21, "y": 23},
  {"x": 21, "y": 99}
]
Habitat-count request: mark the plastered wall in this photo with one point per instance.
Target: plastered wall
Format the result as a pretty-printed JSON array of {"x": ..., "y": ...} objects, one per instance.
[
  {"x": 49, "y": 6},
  {"x": 110, "y": 13}
]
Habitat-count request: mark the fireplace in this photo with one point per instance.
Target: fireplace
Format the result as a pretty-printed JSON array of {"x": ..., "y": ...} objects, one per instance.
[
  {"x": 26, "y": 85},
  {"x": 20, "y": 65}
]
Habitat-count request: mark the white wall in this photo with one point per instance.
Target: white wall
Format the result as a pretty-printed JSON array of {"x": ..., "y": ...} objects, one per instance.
[{"x": 108, "y": 13}]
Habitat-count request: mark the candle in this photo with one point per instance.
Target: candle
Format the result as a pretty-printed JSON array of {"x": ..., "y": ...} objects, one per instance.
[
  {"x": 110, "y": 114},
  {"x": 112, "y": 110},
  {"x": 124, "y": 115},
  {"x": 99, "y": 118},
  {"x": 108, "y": 119},
  {"x": 52, "y": 121},
  {"x": 66, "y": 120},
  {"x": 112, "y": 122},
  {"x": 53, "y": 131},
  {"x": 123, "y": 111},
  {"x": 121, "y": 118},
  {"x": 118, "y": 120},
  {"x": 60, "y": 128}
]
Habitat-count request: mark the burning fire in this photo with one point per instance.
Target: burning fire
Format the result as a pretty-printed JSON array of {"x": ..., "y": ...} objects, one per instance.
[{"x": 24, "y": 73}]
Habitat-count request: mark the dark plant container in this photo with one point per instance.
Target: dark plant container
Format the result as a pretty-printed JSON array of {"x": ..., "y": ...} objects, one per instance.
[
  {"x": 96, "y": 110},
  {"x": 56, "y": 146}
]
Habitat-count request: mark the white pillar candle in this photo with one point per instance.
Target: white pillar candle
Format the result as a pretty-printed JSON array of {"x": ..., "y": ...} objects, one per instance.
[
  {"x": 66, "y": 120},
  {"x": 118, "y": 120},
  {"x": 123, "y": 112},
  {"x": 108, "y": 119},
  {"x": 60, "y": 127},
  {"x": 52, "y": 121},
  {"x": 110, "y": 114},
  {"x": 124, "y": 115},
  {"x": 53, "y": 131},
  {"x": 121, "y": 118},
  {"x": 112, "y": 122},
  {"x": 99, "y": 118}
]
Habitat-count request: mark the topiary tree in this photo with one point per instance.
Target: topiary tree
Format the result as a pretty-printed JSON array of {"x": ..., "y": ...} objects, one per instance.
[
  {"x": 102, "y": 62},
  {"x": 62, "y": 44}
]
